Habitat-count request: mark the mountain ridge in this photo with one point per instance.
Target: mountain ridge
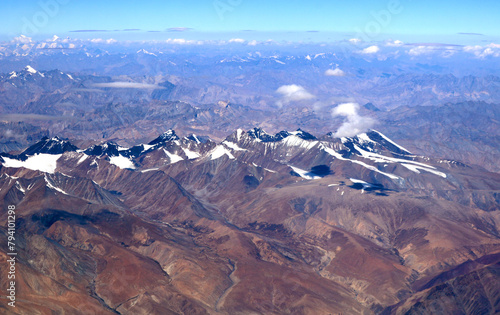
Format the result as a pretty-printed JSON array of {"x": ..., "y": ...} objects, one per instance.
[{"x": 315, "y": 225}]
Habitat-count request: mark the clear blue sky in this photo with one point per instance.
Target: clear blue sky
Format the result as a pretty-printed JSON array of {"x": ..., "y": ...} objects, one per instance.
[{"x": 417, "y": 17}]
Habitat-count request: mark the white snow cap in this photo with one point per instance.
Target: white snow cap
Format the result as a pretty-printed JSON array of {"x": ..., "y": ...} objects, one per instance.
[{"x": 30, "y": 69}]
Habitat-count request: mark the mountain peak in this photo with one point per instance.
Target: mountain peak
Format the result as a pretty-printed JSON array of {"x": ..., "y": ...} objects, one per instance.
[
  {"x": 145, "y": 52},
  {"x": 258, "y": 133},
  {"x": 30, "y": 69},
  {"x": 303, "y": 135},
  {"x": 372, "y": 141},
  {"x": 167, "y": 136},
  {"x": 108, "y": 148},
  {"x": 380, "y": 138},
  {"x": 53, "y": 145},
  {"x": 198, "y": 139}
]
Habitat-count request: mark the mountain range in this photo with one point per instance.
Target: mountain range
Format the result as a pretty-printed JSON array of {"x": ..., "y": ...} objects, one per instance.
[
  {"x": 235, "y": 177},
  {"x": 292, "y": 222},
  {"x": 94, "y": 107}
]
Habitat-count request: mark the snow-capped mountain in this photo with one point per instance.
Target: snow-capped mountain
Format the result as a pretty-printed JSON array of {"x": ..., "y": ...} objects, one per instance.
[
  {"x": 371, "y": 151},
  {"x": 169, "y": 135},
  {"x": 370, "y": 157},
  {"x": 260, "y": 134},
  {"x": 53, "y": 145},
  {"x": 192, "y": 216},
  {"x": 131, "y": 217}
]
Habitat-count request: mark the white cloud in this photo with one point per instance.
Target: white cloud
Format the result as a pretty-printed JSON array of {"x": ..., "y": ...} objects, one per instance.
[
  {"x": 346, "y": 109},
  {"x": 22, "y": 39},
  {"x": 439, "y": 49},
  {"x": 127, "y": 85},
  {"x": 236, "y": 40},
  {"x": 487, "y": 52},
  {"x": 371, "y": 50},
  {"x": 420, "y": 50},
  {"x": 355, "y": 41},
  {"x": 484, "y": 51},
  {"x": 252, "y": 43},
  {"x": 176, "y": 41},
  {"x": 182, "y": 41},
  {"x": 103, "y": 41},
  {"x": 293, "y": 93},
  {"x": 395, "y": 43},
  {"x": 473, "y": 48},
  {"x": 354, "y": 124},
  {"x": 334, "y": 73}
]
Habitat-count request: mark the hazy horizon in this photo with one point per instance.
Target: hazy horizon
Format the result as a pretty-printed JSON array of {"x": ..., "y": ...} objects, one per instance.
[{"x": 318, "y": 21}]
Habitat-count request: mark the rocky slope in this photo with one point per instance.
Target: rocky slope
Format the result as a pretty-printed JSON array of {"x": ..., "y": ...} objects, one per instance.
[{"x": 256, "y": 223}]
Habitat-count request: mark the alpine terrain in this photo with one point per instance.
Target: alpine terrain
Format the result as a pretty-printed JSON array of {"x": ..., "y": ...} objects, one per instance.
[{"x": 258, "y": 223}]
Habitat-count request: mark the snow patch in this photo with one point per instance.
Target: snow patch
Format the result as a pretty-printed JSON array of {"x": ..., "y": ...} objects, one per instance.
[
  {"x": 147, "y": 147},
  {"x": 239, "y": 132},
  {"x": 362, "y": 182},
  {"x": 20, "y": 188},
  {"x": 122, "y": 162},
  {"x": 370, "y": 167},
  {"x": 174, "y": 158},
  {"x": 233, "y": 146},
  {"x": 411, "y": 165},
  {"x": 50, "y": 185},
  {"x": 30, "y": 70},
  {"x": 296, "y": 141},
  {"x": 40, "y": 162},
  {"x": 196, "y": 139},
  {"x": 83, "y": 158},
  {"x": 150, "y": 170},
  {"x": 385, "y": 159},
  {"x": 220, "y": 151},
  {"x": 190, "y": 154},
  {"x": 373, "y": 168},
  {"x": 364, "y": 138},
  {"x": 302, "y": 173},
  {"x": 416, "y": 169}
]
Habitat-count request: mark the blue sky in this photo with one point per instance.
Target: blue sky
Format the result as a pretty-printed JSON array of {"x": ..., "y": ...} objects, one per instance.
[{"x": 291, "y": 19}]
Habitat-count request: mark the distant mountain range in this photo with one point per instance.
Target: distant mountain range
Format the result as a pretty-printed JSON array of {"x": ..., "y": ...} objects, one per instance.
[
  {"x": 251, "y": 75},
  {"x": 89, "y": 107}
]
